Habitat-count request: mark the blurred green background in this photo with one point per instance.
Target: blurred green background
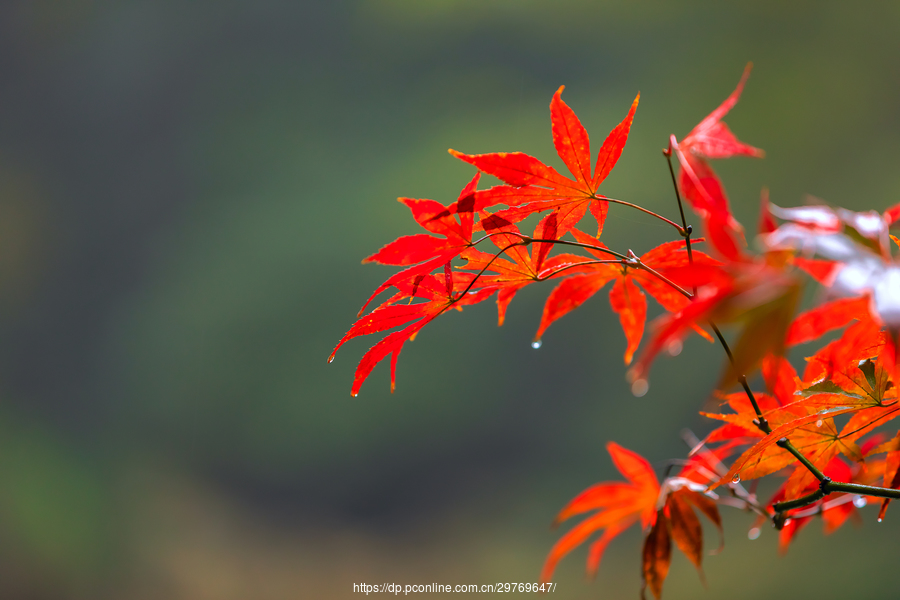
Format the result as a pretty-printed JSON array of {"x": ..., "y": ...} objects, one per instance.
[{"x": 186, "y": 191}]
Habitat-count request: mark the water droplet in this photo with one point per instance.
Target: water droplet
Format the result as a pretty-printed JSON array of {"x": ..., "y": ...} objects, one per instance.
[
  {"x": 787, "y": 522},
  {"x": 819, "y": 423},
  {"x": 639, "y": 387},
  {"x": 675, "y": 348},
  {"x": 753, "y": 533},
  {"x": 354, "y": 394},
  {"x": 736, "y": 478},
  {"x": 330, "y": 359},
  {"x": 880, "y": 519},
  {"x": 536, "y": 344},
  {"x": 859, "y": 501}
]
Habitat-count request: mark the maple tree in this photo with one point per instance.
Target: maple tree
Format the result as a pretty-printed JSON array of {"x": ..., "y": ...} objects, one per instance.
[{"x": 824, "y": 431}]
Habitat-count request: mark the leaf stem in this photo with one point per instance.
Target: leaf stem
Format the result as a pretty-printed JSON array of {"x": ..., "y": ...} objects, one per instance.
[
  {"x": 632, "y": 261},
  {"x": 581, "y": 264},
  {"x": 680, "y": 229},
  {"x": 490, "y": 235},
  {"x": 761, "y": 421},
  {"x": 664, "y": 279},
  {"x": 603, "y": 249},
  {"x": 485, "y": 268}
]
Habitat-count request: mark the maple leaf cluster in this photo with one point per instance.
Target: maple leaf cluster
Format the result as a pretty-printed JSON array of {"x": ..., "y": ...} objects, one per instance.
[{"x": 822, "y": 430}]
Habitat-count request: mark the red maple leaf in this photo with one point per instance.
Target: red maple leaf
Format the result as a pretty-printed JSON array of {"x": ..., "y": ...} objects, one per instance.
[
  {"x": 677, "y": 522},
  {"x": 712, "y": 139},
  {"x": 618, "y": 506},
  {"x": 791, "y": 429},
  {"x": 864, "y": 268},
  {"x": 626, "y": 298},
  {"x": 531, "y": 186},
  {"x": 524, "y": 268},
  {"x": 427, "y": 252},
  {"x": 452, "y": 292},
  {"x": 762, "y": 297},
  {"x": 891, "y": 468}
]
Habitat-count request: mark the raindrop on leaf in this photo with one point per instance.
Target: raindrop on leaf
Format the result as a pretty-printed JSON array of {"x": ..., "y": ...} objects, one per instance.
[
  {"x": 736, "y": 478},
  {"x": 536, "y": 344}
]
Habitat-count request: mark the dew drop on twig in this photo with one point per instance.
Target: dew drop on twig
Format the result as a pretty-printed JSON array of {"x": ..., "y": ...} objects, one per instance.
[
  {"x": 639, "y": 387},
  {"x": 736, "y": 478},
  {"x": 859, "y": 501}
]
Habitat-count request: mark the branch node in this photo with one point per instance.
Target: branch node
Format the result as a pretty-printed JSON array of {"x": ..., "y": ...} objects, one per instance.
[
  {"x": 782, "y": 443},
  {"x": 778, "y": 520}
]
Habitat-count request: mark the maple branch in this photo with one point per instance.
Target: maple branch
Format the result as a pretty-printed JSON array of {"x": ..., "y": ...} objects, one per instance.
[
  {"x": 785, "y": 443},
  {"x": 631, "y": 261},
  {"x": 825, "y": 506},
  {"x": 862, "y": 490},
  {"x": 686, "y": 229},
  {"x": 827, "y": 486},
  {"x": 761, "y": 421},
  {"x": 781, "y": 507}
]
